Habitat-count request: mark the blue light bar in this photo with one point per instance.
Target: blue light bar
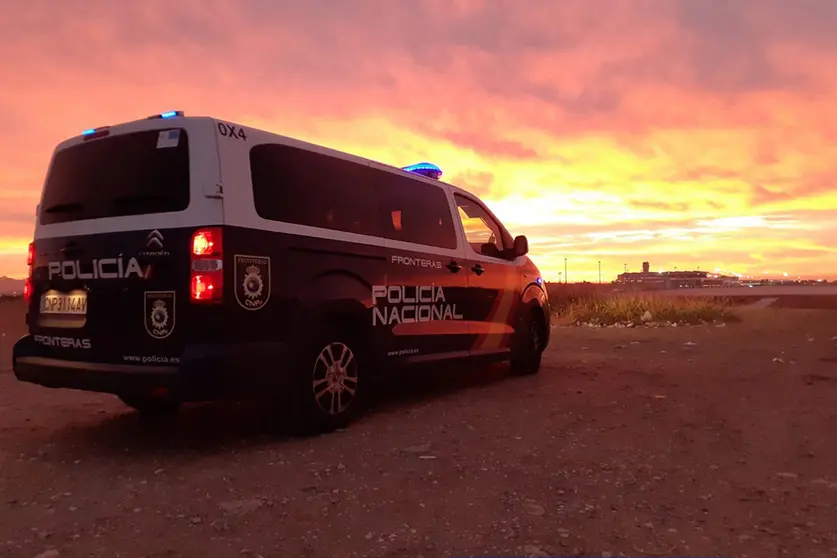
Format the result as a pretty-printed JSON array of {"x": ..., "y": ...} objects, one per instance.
[
  {"x": 424, "y": 169},
  {"x": 89, "y": 131},
  {"x": 167, "y": 114}
]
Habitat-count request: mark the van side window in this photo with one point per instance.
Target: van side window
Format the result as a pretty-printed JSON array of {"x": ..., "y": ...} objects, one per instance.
[
  {"x": 304, "y": 187},
  {"x": 482, "y": 232},
  {"x": 414, "y": 211}
]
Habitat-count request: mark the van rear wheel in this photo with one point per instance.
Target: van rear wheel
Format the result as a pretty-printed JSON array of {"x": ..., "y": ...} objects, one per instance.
[
  {"x": 150, "y": 405},
  {"x": 326, "y": 391}
]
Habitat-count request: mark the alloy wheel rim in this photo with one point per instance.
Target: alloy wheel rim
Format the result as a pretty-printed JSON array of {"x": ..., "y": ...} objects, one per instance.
[{"x": 335, "y": 378}]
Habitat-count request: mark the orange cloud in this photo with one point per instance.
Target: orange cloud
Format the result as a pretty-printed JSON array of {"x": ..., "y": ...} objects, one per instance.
[{"x": 687, "y": 133}]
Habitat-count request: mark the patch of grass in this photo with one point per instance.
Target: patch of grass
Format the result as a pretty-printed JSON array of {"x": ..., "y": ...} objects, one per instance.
[{"x": 640, "y": 309}]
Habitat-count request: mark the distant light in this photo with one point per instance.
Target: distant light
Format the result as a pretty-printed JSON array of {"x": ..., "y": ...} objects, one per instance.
[
  {"x": 785, "y": 274},
  {"x": 89, "y": 131},
  {"x": 425, "y": 169}
]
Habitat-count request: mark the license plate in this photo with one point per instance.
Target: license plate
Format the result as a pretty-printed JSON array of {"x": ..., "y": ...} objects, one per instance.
[{"x": 74, "y": 304}]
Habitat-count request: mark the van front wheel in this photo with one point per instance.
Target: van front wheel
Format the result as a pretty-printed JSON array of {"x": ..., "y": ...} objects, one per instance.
[{"x": 529, "y": 345}]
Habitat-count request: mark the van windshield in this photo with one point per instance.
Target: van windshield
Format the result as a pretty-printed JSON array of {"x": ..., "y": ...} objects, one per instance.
[{"x": 127, "y": 174}]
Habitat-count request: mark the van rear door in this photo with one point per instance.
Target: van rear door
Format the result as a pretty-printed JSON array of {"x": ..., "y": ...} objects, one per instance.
[{"x": 111, "y": 265}]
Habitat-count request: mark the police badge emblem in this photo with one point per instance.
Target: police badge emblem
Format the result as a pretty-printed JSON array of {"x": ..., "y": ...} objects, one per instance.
[
  {"x": 252, "y": 281},
  {"x": 159, "y": 309}
]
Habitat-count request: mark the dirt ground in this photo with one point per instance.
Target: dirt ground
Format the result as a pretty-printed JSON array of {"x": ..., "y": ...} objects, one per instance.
[{"x": 693, "y": 441}]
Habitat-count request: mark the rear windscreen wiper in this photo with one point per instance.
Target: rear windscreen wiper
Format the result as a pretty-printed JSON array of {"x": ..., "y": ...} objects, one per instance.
[{"x": 64, "y": 208}]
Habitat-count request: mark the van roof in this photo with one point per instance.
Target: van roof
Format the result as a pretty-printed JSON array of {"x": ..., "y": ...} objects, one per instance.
[{"x": 152, "y": 121}]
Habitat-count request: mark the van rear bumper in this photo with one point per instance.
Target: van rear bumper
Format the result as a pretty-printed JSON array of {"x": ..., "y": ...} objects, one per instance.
[{"x": 203, "y": 373}]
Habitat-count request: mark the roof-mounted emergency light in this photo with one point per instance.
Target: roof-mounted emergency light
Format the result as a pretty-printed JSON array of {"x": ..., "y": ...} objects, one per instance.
[
  {"x": 425, "y": 169},
  {"x": 92, "y": 133},
  {"x": 167, "y": 114}
]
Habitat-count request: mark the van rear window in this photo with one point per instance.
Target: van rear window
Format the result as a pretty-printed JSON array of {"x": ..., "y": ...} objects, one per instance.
[{"x": 127, "y": 174}]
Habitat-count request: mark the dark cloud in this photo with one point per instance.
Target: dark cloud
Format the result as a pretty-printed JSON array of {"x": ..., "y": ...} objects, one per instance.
[
  {"x": 487, "y": 145},
  {"x": 348, "y": 55},
  {"x": 760, "y": 22},
  {"x": 727, "y": 48}
]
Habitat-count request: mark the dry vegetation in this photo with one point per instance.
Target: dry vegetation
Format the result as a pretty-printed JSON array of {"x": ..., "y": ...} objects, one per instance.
[
  {"x": 643, "y": 309},
  {"x": 603, "y": 305}
]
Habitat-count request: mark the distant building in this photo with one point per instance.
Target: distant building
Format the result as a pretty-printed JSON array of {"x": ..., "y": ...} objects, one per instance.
[{"x": 647, "y": 279}]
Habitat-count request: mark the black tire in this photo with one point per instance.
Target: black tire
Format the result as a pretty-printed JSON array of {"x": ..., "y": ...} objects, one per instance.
[
  {"x": 151, "y": 406},
  {"x": 528, "y": 353},
  {"x": 326, "y": 392}
]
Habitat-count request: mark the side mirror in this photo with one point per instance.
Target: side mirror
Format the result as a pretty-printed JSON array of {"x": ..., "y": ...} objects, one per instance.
[
  {"x": 521, "y": 246},
  {"x": 490, "y": 249}
]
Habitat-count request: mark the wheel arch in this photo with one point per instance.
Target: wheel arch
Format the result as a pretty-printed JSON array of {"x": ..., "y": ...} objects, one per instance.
[
  {"x": 343, "y": 299},
  {"x": 351, "y": 317}
]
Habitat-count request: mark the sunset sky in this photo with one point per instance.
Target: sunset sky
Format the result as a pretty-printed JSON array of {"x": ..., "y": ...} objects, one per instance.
[{"x": 691, "y": 133}]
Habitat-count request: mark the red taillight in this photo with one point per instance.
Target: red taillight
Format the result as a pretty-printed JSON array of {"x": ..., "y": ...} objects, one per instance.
[
  {"x": 27, "y": 289},
  {"x": 206, "y": 242},
  {"x": 30, "y": 261},
  {"x": 204, "y": 286},
  {"x": 207, "y": 276}
]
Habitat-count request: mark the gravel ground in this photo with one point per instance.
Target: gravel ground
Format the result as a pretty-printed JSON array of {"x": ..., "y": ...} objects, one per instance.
[{"x": 701, "y": 441}]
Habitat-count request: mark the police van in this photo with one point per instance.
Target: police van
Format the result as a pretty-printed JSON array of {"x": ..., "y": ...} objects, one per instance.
[{"x": 181, "y": 259}]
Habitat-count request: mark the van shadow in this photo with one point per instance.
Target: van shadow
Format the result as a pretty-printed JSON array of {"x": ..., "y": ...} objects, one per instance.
[{"x": 210, "y": 428}]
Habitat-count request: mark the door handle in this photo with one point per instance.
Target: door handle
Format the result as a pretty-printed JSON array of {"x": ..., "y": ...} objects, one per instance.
[
  {"x": 454, "y": 267},
  {"x": 478, "y": 269}
]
